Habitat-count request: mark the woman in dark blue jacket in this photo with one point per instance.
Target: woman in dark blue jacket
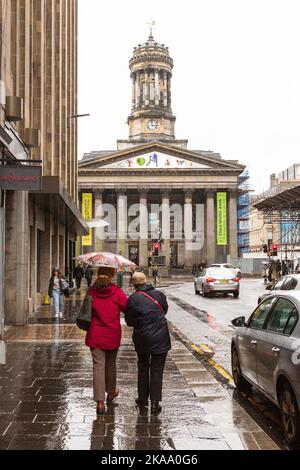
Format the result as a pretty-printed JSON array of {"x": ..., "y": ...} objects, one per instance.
[{"x": 146, "y": 313}]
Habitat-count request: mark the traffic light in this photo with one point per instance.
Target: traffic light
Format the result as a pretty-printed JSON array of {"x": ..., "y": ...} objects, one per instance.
[
  {"x": 265, "y": 248},
  {"x": 274, "y": 249},
  {"x": 156, "y": 248}
]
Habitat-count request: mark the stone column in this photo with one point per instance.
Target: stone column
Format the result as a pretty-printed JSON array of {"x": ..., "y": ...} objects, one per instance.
[
  {"x": 233, "y": 251},
  {"x": 166, "y": 224},
  {"x": 99, "y": 231},
  {"x": 147, "y": 89},
  {"x": 188, "y": 228},
  {"x": 133, "y": 77},
  {"x": 137, "y": 91},
  {"x": 144, "y": 228},
  {"x": 169, "y": 91},
  {"x": 157, "y": 90},
  {"x": 122, "y": 222},
  {"x": 210, "y": 227},
  {"x": 165, "y": 92}
]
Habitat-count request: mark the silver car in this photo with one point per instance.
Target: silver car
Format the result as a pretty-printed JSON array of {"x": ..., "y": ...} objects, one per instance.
[
  {"x": 217, "y": 280},
  {"x": 265, "y": 353},
  {"x": 236, "y": 271},
  {"x": 288, "y": 282}
]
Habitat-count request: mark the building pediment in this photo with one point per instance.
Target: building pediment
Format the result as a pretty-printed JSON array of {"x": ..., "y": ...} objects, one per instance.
[{"x": 160, "y": 156}]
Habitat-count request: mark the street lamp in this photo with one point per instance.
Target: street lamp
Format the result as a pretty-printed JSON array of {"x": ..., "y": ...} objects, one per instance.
[{"x": 76, "y": 116}]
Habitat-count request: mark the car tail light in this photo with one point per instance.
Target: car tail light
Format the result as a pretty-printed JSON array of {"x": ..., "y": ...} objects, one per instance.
[
  {"x": 210, "y": 279},
  {"x": 236, "y": 279}
]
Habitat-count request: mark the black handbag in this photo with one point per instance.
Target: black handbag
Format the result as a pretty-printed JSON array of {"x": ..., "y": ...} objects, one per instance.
[{"x": 84, "y": 317}]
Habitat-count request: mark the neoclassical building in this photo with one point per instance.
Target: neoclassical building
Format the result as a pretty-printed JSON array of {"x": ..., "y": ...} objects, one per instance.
[{"x": 161, "y": 200}]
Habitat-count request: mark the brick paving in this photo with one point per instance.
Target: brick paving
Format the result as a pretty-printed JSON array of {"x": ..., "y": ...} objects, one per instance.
[{"x": 46, "y": 398}]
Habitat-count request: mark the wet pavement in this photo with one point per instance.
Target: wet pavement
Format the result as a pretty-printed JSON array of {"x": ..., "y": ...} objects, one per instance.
[{"x": 46, "y": 397}]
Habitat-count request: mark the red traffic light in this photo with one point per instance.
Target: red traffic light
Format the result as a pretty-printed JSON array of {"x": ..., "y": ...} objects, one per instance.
[
  {"x": 156, "y": 246},
  {"x": 274, "y": 247}
]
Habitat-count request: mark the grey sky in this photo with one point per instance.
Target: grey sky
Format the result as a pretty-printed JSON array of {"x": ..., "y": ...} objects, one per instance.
[{"x": 236, "y": 80}]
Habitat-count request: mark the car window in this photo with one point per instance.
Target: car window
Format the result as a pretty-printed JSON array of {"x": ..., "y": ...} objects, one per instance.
[
  {"x": 280, "y": 315},
  {"x": 202, "y": 274},
  {"x": 279, "y": 284},
  {"x": 291, "y": 323},
  {"x": 290, "y": 284},
  {"x": 260, "y": 314}
]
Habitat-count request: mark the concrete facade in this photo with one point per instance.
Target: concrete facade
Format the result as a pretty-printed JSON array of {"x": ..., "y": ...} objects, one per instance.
[
  {"x": 153, "y": 188},
  {"x": 39, "y": 65}
]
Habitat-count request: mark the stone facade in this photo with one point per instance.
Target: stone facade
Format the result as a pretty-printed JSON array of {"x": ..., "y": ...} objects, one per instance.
[{"x": 39, "y": 65}]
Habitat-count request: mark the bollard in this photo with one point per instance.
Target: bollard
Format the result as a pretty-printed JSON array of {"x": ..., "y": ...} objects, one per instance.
[{"x": 46, "y": 300}]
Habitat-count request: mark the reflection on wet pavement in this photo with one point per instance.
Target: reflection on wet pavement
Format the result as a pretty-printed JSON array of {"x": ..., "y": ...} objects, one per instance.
[{"x": 46, "y": 390}]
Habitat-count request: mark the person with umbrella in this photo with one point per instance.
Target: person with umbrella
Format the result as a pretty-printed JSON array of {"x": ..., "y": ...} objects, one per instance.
[
  {"x": 78, "y": 274},
  {"x": 89, "y": 275},
  {"x": 103, "y": 303}
]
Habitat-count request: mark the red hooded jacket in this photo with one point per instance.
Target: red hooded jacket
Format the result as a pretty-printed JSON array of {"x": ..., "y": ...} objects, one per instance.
[{"x": 105, "y": 330}]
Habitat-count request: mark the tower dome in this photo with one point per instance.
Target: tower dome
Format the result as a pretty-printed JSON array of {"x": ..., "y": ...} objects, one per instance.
[{"x": 151, "y": 115}]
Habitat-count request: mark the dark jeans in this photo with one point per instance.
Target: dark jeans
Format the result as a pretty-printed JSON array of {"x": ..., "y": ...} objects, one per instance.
[
  {"x": 89, "y": 281},
  {"x": 150, "y": 376},
  {"x": 78, "y": 282}
]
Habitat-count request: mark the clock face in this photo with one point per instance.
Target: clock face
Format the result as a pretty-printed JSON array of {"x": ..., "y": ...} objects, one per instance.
[{"x": 152, "y": 125}]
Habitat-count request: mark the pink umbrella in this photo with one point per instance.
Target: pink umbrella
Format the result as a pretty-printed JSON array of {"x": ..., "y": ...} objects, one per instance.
[{"x": 105, "y": 259}]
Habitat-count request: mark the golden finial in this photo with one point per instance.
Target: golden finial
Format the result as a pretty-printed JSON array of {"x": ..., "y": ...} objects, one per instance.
[{"x": 151, "y": 23}]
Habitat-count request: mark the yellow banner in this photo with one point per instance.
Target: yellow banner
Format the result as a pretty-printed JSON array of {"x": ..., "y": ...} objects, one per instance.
[
  {"x": 221, "y": 219},
  {"x": 87, "y": 213}
]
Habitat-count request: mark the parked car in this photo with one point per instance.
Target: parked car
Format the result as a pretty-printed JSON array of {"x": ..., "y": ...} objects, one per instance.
[
  {"x": 288, "y": 282},
  {"x": 217, "y": 280},
  {"x": 265, "y": 353},
  {"x": 236, "y": 270}
]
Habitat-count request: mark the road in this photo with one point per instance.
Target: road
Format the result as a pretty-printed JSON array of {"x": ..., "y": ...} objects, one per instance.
[{"x": 206, "y": 322}]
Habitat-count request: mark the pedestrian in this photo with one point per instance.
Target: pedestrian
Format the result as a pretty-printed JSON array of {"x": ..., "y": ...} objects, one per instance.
[
  {"x": 273, "y": 272},
  {"x": 146, "y": 313},
  {"x": 155, "y": 273},
  {"x": 265, "y": 273},
  {"x": 78, "y": 274},
  {"x": 278, "y": 269},
  {"x": 284, "y": 268},
  {"x": 194, "y": 270},
  {"x": 57, "y": 286},
  {"x": 89, "y": 276},
  {"x": 106, "y": 301}
]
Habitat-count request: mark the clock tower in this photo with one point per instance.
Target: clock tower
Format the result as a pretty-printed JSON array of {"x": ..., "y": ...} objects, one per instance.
[{"x": 151, "y": 115}]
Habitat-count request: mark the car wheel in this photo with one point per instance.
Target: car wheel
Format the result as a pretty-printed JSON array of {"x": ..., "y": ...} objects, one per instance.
[
  {"x": 236, "y": 295},
  {"x": 204, "y": 293},
  {"x": 196, "y": 290},
  {"x": 290, "y": 418},
  {"x": 240, "y": 382}
]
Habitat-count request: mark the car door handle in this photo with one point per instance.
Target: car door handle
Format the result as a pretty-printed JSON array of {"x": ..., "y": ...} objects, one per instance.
[
  {"x": 253, "y": 341},
  {"x": 276, "y": 349}
]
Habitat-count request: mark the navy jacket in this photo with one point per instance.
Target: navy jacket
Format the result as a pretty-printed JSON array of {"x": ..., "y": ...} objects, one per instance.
[{"x": 151, "y": 333}]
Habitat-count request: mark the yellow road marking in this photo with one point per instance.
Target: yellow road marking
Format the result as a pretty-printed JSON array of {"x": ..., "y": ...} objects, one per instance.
[{"x": 204, "y": 351}]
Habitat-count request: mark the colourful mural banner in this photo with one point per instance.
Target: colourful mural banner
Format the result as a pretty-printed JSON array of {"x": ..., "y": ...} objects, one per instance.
[
  {"x": 87, "y": 213},
  {"x": 221, "y": 218}
]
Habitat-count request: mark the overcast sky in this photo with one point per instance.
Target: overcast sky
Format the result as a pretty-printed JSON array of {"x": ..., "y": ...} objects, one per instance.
[{"x": 236, "y": 78}]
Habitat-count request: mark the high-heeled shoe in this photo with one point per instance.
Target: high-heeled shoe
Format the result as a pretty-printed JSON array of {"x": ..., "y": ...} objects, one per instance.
[
  {"x": 111, "y": 396},
  {"x": 155, "y": 408},
  {"x": 100, "y": 408}
]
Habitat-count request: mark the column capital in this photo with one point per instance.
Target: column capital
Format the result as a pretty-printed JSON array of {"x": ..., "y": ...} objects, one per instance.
[
  {"x": 143, "y": 192},
  {"x": 166, "y": 192},
  {"x": 188, "y": 193},
  {"x": 98, "y": 192},
  {"x": 120, "y": 191},
  {"x": 233, "y": 192},
  {"x": 211, "y": 192}
]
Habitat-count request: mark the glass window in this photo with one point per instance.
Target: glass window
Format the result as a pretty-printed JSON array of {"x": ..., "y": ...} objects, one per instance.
[
  {"x": 259, "y": 315},
  {"x": 280, "y": 316},
  {"x": 291, "y": 323},
  {"x": 290, "y": 284},
  {"x": 279, "y": 284},
  {"x": 203, "y": 273}
]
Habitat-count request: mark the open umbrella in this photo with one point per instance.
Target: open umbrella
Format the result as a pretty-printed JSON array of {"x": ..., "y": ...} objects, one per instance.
[{"x": 103, "y": 258}]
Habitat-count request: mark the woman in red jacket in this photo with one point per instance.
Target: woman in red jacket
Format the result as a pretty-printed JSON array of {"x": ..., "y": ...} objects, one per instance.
[{"x": 104, "y": 334}]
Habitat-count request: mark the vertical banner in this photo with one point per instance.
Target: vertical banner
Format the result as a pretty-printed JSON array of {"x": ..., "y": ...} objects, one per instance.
[
  {"x": 87, "y": 213},
  {"x": 221, "y": 218}
]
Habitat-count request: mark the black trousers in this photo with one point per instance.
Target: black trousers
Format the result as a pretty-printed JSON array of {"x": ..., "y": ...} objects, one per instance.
[
  {"x": 78, "y": 282},
  {"x": 150, "y": 376}
]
